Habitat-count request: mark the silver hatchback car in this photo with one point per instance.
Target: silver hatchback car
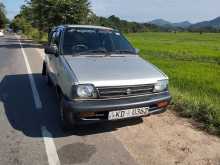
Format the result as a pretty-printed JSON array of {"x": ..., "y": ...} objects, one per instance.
[{"x": 98, "y": 76}]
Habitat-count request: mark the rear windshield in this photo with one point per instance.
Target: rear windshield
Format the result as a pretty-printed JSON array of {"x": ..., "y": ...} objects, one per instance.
[{"x": 79, "y": 40}]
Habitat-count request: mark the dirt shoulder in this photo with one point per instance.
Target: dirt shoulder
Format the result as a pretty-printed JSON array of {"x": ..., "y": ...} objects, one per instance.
[{"x": 167, "y": 139}]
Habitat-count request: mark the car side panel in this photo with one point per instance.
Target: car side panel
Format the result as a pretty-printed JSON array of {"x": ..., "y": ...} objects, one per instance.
[
  {"x": 65, "y": 76},
  {"x": 52, "y": 67}
]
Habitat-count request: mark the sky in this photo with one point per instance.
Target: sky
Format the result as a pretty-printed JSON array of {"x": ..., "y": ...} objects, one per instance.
[
  {"x": 12, "y": 7},
  {"x": 145, "y": 10}
]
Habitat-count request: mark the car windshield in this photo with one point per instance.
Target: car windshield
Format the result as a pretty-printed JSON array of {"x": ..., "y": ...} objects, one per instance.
[{"x": 94, "y": 41}]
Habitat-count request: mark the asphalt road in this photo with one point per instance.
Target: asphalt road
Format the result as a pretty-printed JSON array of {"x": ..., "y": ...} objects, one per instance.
[{"x": 30, "y": 133}]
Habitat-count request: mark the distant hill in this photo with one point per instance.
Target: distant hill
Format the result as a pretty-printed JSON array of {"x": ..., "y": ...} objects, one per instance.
[
  {"x": 160, "y": 22},
  {"x": 167, "y": 24},
  {"x": 184, "y": 24},
  {"x": 215, "y": 23},
  {"x": 211, "y": 25}
]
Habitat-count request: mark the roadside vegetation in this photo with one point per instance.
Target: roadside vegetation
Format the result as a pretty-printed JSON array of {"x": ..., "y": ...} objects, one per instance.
[{"x": 192, "y": 61}]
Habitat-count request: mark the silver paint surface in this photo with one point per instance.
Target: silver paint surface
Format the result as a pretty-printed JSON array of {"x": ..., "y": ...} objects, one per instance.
[{"x": 114, "y": 70}]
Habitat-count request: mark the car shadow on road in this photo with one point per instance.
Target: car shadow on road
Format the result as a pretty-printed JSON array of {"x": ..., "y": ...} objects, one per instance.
[{"x": 22, "y": 114}]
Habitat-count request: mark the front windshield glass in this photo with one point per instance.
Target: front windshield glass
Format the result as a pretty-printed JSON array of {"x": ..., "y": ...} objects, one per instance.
[{"x": 85, "y": 40}]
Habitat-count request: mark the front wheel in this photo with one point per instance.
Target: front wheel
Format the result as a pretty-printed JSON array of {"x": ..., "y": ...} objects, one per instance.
[{"x": 67, "y": 117}]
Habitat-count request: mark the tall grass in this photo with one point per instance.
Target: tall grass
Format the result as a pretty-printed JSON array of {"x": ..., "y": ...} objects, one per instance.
[{"x": 192, "y": 61}]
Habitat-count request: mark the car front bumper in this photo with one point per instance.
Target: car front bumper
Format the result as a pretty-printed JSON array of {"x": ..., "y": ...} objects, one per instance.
[{"x": 102, "y": 107}]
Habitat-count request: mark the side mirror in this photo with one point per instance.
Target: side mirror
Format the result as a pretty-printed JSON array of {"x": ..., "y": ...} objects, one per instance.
[
  {"x": 53, "y": 49},
  {"x": 137, "y": 51}
]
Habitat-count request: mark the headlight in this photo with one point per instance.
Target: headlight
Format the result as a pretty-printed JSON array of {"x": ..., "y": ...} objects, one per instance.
[
  {"x": 85, "y": 91},
  {"x": 161, "y": 85}
]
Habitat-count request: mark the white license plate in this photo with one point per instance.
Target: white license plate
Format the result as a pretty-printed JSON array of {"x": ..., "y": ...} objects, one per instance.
[{"x": 123, "y": 114}]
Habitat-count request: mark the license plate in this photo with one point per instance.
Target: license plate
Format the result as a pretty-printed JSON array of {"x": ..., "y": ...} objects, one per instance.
[{"x": 123, "y": 114}]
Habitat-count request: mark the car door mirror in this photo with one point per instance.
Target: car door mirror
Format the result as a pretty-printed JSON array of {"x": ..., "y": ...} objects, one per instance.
[
  {"x": 51, "y": 49},
  {"x": 137, "y": 51}
]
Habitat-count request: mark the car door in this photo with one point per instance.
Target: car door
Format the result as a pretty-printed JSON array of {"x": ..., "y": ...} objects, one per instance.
[
  {"x": 64, "y": 74},
  {"x": 60, "y": 72},
  {"x": 59, "y": 65},
  {"x": 52, "y": 59}
]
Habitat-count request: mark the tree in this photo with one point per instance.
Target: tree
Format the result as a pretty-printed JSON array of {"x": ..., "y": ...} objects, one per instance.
[
  {"x": 55, "y": 12},
  {"x": 3, "y": 19},
  {"x": 45, "y": 14}
]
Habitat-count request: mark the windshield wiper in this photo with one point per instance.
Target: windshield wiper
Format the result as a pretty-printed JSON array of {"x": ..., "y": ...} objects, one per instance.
[
  {"x": 123, "y": 52},
  {"x": 98, "y": 51},
  {"x": 102, "y": 51}
]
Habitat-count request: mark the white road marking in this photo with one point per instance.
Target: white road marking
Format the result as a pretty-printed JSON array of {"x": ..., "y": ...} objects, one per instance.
[
  {"x": 35, "y": 93},
  {"x": 52, "y": 155},
  {"x": 1, "y": 111},
  {"x": 50, "y": 147}
]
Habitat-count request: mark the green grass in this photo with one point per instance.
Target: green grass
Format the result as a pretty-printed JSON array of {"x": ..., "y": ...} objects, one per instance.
[
  {"x": 192, "y": 62},
  {"x": 183, "y": 46}
]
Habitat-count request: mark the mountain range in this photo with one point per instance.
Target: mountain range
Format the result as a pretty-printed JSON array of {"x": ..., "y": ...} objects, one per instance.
[
  {"x": 215, "y": 23},
  {"x": 167, "y": 24}
]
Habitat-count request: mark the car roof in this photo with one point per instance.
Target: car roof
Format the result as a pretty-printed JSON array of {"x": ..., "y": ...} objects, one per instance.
[{"x": 84, "y": 26}]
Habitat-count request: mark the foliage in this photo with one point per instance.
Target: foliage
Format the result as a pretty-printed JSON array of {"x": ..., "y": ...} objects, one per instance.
[
  {"x": 20, "y": 23},
  {"x": 55, "y": 12},
  {"x": 3, "y": 19},
  {"x": 191, "y": 61},
  {"x": 45, "y": 14}
]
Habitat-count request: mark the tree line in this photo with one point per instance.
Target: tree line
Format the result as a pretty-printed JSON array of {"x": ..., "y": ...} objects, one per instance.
[{"x": 123, "y": 25}]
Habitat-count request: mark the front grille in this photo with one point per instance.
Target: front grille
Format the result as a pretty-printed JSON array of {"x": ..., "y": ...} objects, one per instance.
[{"x": 125, "y": 91}]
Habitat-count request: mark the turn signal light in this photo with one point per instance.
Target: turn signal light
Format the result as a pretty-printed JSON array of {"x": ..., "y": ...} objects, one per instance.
[
  {"x": 163, "y": 104},
  {"x": 87, "y": 114}
]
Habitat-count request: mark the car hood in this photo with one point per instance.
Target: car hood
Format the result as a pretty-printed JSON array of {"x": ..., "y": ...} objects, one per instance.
[{"x": 114, "y": 70}]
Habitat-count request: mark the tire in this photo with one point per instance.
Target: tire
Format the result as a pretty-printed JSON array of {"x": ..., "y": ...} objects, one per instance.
[{"x": 67, "y": 117}]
